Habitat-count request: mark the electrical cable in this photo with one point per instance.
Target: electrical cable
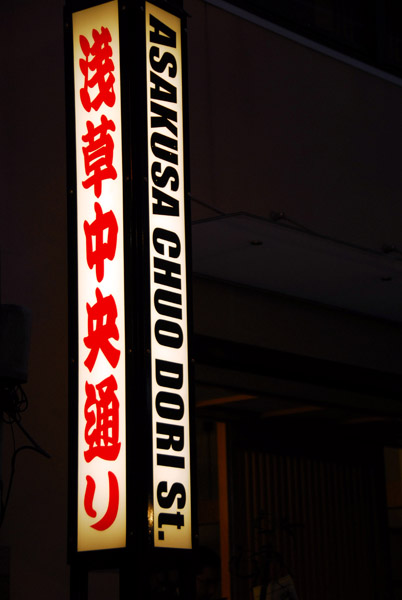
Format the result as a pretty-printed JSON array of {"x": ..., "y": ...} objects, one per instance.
[
  {"x": 281, "y": 219},
  {"x": 13, "y": 402},
  {"x": 277, "y": 217},
  {"x": 4, "y": 503},
  {"x": 206, "y": 205}
]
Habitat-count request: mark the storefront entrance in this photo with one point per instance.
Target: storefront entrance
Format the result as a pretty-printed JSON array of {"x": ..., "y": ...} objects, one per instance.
[
  {"x": 292, "y": 484},
  {"x": 309, "y": 506}
]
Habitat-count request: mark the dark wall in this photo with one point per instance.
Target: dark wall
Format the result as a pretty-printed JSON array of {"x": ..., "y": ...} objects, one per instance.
[{"x": 274, "y": 126}]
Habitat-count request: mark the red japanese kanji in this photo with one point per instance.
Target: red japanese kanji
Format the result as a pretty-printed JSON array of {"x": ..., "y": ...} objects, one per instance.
[
  {"x": 98, "y": 154},
  {"x": 102, "y": 420},
  {"x": 101, "y": 328},
  {"x": 101, "y": 67},
  {"x": 113, "y": 506},
  {"x": 99, "y": 250}
]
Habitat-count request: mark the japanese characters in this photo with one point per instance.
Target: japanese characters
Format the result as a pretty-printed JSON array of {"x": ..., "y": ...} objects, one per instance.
[{"x": 101, "y": 369}]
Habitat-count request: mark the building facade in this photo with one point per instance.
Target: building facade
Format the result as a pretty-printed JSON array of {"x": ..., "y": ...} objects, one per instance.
[{"x": 294, "y": 126}]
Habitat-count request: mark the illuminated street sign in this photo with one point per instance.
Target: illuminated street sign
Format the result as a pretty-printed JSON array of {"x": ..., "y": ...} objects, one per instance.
[
  {"x": 101, "y": 498},
  {"x": 168, "y": 285},
  {"x": 128, "y": 416}
]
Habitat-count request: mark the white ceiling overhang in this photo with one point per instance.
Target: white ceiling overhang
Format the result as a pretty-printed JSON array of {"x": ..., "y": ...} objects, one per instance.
[{"x": 248, "y": 250}]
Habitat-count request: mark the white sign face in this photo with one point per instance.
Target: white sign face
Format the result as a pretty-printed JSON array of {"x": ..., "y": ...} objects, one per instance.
[
  {"x": 101, "y": 501},
  {"x": 169, "y": 352}
]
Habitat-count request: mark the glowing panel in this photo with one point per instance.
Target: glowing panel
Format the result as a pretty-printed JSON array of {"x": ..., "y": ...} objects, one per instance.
[
  {"x": 171, "y": 514},
  {"x": 101, "y": 501}
]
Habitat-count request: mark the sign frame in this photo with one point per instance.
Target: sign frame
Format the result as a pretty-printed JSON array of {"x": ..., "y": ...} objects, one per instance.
[
  {"x": 139, "y": 529},
  {"x": 112, "y": 556},
  {"x": 168, "y": 202}
]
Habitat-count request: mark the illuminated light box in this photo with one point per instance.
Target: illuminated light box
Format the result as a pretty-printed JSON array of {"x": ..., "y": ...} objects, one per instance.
[
  {"x": 143, "y": 407},
  {"x": 168, "y": 285},
  {"x": 101, "y": 499}
]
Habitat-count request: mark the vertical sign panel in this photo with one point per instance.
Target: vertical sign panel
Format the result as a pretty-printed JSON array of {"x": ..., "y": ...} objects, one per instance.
[
  {"x": 101, "y": 501},
  {"x": 169, "y": 349}
]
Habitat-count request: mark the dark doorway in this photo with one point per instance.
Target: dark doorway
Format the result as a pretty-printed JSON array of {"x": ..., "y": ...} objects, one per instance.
[{"x": 315, "y": 500}]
